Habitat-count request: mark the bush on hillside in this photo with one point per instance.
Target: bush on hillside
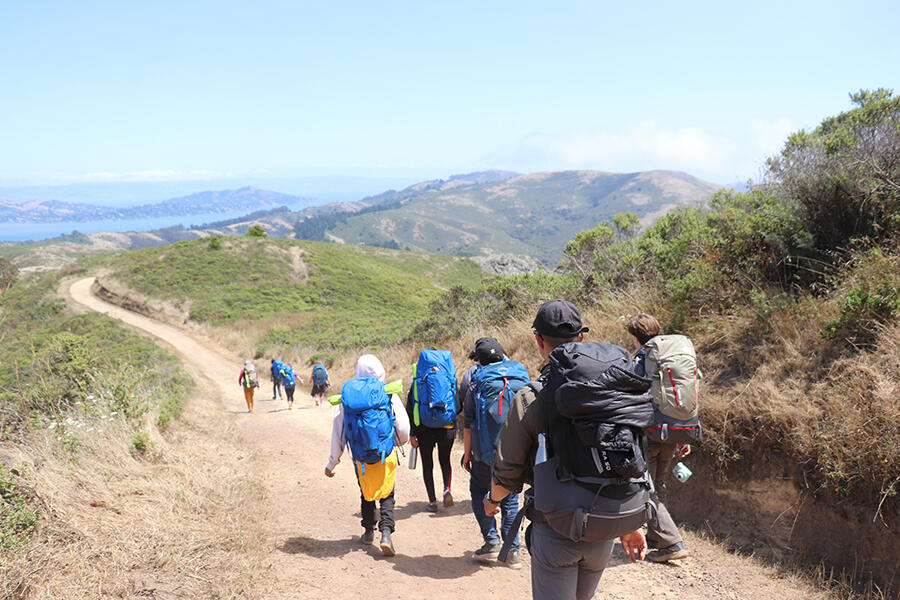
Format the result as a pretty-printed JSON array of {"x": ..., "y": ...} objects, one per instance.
[{"x": 257, "y": 231}]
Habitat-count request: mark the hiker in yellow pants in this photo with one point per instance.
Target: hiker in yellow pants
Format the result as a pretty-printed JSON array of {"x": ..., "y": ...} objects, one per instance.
[{"x": 249, "y": 380}]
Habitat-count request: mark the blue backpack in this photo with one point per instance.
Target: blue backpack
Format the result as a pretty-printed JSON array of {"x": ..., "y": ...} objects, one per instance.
[
  {"x": 288, "y": 377},
  {"x": 494, "y": 386},
  {"x": 276, "y": 370},
  {"x": 368, "y": 420},
  {"x": 319, "y": 375},
  {"x": 434, "y": 389}
]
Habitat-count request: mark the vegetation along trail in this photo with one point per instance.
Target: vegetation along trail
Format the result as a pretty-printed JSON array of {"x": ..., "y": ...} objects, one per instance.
[{"x": 312, "y": 526}]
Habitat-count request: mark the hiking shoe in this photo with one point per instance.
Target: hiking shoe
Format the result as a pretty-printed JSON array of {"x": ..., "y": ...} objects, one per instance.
[
  {"x": 387, "y": 547},
  {"x": 448, "y": 499},
  {"x": 668, "y": 553},
  {"x": 368, "y": 537},
  {"x": 488, "y": 552},
  {"x": 431, "y": 507},
  {"x": 512, "y": 559}
]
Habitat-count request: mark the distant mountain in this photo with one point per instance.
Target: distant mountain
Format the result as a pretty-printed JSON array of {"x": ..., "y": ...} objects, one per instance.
[
  {"x": 492, "y": 212},
  {"x": 224, "y": 201}
]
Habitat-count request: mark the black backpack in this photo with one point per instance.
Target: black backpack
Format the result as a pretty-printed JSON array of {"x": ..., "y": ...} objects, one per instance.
[{"x": 594, "y": 485}]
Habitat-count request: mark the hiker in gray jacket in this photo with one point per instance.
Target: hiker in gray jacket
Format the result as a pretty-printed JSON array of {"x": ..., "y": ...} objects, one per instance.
[{"x": 560, "y": 567}]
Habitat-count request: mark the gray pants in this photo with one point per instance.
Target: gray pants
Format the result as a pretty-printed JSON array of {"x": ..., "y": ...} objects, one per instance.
[
  {"x": 562, "y": 569},
  {"x": 662, "y": 530}
]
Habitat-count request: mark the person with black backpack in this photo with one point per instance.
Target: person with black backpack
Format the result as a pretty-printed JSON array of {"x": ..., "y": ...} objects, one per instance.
[
  {"x": 372, "y": 422},
  {"x": 576, "y": 434},
  {"x": 670, "y": 362},
  {"x": 431, "y": 408},
  {"x": 490, "y": 388}
]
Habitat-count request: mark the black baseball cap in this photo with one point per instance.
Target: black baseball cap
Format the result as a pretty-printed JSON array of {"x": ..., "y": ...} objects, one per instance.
[
  {"x": 487, "y": 350},
  {"x": 559, "y": 319}
]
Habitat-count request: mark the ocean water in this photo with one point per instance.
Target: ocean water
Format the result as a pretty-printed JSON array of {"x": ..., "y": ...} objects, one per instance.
[{"x": 22, "y": 232}]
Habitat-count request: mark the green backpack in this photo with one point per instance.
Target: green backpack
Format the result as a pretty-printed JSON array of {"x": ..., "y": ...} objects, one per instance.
[{"x": 671, "y": 366}]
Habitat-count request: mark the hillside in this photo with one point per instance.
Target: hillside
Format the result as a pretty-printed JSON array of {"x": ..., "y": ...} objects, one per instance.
[
  {"x": 211, "y": 202},
  {"x": 286, "y": 292},
  {"x": 533, "y": 215}
]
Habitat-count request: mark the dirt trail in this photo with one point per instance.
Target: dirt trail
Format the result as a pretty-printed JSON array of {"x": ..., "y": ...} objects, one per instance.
[{"x": 314, "y": 527}]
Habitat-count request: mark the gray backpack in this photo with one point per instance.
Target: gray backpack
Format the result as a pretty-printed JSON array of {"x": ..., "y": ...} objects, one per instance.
[{"x": 671, "y": 365}]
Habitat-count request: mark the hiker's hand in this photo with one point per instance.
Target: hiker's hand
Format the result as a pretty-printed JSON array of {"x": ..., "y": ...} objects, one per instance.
[
  {"x": 490, "y": 509},
  {"x": 634, "y": 545},
  {"x": 413, "y": 441},
  {"x": 682, "y": 450},
  {"x": 466, "y": 461},
  {"x": 329, "y": 472}
]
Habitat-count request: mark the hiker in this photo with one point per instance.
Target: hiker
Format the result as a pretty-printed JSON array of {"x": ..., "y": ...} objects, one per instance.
[
  {"x": 662, "y": 533},
  {"x": 290, "y": 383},
  {"x": 431, "y": 408},
  {"x": 490, "y": 389},
  {"x": 569, "y": 542},
  {"x": 365, "y": 400},
  {"x": 276, "y": 378},
  {"x": 319, "y": 378},
  {"x": 249, "y": 380}
]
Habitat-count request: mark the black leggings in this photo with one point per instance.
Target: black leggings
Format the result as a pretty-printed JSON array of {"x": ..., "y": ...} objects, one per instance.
[{"x": 444, "y": 439}]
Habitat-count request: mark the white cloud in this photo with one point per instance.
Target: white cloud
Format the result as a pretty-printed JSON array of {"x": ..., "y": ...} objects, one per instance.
[{"x": 721, "y": 158}]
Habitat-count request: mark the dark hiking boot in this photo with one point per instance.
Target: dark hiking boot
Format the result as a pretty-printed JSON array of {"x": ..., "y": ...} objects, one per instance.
[
  {"x": 368, "y": 537},
  {"x": 513, "y": 561},
  {"x": 387, "y": 547},
  {"x": 448, "y": 499},
  {"x": 673, "y": 552},
  {"x": 488, "y": 552},
  {"x": 431, "y": 507}
]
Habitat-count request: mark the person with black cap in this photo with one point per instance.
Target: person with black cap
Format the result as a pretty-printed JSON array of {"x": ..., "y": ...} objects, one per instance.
[
  {"x": 560, "y": 567},
  {"x": 489, "y": 387}
]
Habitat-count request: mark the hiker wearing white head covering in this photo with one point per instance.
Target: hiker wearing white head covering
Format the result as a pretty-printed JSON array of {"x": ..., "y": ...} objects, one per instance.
[{"x": 369, "y": 366}]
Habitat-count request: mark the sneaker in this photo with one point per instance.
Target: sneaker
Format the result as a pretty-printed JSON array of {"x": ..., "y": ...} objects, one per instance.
[
  {"x": 668, "y": 553},
  {"x": 513, "y": 561},
  {"x": 488, "y": 552},
  {"x": 387, "y": 547},
  {"x": 448, "y": 499},
  {"x": 431, "y": 507},
  {"x": 368, "y": 537}
]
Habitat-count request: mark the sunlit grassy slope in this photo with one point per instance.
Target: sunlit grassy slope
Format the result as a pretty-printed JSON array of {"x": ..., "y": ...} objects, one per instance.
[{"x": 315, "y": 294}]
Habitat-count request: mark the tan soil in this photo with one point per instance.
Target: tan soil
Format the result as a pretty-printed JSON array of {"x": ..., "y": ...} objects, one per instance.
[{"x": 312, "y": 533}]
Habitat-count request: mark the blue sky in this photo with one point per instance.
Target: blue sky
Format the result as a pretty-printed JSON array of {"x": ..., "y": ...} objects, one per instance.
[{"x": 125, "y": 91}]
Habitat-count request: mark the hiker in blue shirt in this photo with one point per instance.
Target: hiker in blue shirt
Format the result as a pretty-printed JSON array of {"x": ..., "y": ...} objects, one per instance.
[{"x": 276, "y": 378}]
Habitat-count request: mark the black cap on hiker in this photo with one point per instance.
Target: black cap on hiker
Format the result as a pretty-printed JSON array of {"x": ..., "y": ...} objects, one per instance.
[
  {"x": 559, "y": 319},
  {"x": 487, "y": 350}
]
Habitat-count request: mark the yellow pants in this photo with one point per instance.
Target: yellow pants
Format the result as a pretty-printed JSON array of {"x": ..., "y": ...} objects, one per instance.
[{"x": 248, "y": 396}]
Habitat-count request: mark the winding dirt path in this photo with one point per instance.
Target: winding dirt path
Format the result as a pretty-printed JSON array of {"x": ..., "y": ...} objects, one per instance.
[{"x": 314, "y": 529}]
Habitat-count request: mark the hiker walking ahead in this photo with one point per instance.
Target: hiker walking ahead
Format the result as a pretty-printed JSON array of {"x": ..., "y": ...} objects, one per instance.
[
  {"x": 490, "y": 390},
  {"x": 249, "y": 380},
  {"x": 290, "y": 383},
  {"x": 319, "y": 378},
  {"x": 371, "y": 420},
  {"x": 431, "y": 408},
  {"x": 276, "y": 378},
  {"x": 584, "y": 495},
  {"x": 669, "y": 361}
]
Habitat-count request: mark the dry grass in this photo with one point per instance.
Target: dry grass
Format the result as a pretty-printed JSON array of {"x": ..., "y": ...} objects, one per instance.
[{"x": 123, "y": 525}]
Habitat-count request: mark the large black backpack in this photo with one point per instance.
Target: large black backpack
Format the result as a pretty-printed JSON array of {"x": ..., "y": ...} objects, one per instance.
[{"x": 594, "y": 484}]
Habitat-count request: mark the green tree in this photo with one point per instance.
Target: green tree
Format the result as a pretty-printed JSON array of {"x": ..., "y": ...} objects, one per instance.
[
  {"x": 257, "y": 230},
  {"x": 215, "y": 242}
]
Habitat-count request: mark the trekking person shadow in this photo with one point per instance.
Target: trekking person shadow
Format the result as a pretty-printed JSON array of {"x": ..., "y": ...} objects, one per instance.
[
  {"x": 320, "y": 548},
  {"x": 432, "y": 566},
  {"x": 416, "y": 507}
]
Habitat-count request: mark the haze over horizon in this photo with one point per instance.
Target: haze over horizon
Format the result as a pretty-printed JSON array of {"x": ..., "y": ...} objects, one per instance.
[{"x": 166, "y": 92}]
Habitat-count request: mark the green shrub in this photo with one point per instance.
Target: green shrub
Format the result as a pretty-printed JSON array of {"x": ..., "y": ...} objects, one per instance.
[
  {"x": 215, "y": 243},
  {"x": 257, "y": 231},
  {"x": 18, "y": 514}
]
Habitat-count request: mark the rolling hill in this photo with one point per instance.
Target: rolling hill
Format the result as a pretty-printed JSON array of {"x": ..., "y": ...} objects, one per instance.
[{"x": 500, "y": 212}]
